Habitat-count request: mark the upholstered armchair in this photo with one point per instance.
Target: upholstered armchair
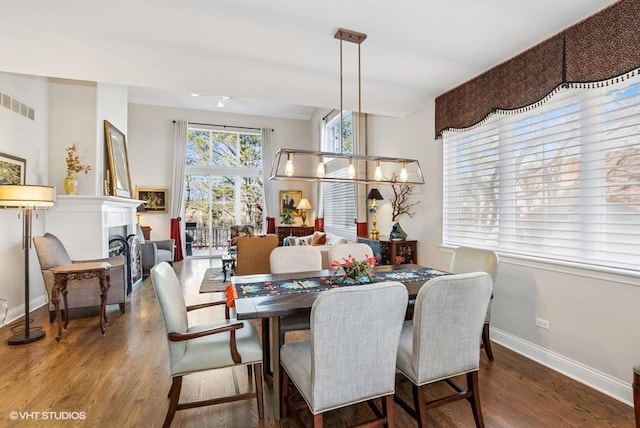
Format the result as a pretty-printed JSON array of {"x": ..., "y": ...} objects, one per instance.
[
  {"x": 237, "y": 231},
  {"x": 198, "y": 348},
  {"x": 81, "y": 293},
  {"x": 154, "y": 252},
  {"x": 253, "y": 254}
]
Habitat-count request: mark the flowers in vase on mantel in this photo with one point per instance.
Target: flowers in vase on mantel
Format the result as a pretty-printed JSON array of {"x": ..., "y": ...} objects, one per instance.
[
  {"x": 355, "y": 270},
  {"x": 73, "y": 167}
]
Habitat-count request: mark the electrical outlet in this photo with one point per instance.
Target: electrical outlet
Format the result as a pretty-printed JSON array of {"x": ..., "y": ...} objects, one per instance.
[{"x": 543, "y": 323}]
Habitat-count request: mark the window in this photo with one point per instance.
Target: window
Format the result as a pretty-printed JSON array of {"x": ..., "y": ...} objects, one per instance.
[
  {"x": 339, "y": 198},
  {"x": 223, "y": 182},
  {"x": 561, "y": 181}
]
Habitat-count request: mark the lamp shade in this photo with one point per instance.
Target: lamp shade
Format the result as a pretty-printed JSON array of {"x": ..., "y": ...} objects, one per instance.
[
  {"x": 26, "y": 196},
  {"x": 304, "y": 204},
  {"x": 375, "y": 194}
]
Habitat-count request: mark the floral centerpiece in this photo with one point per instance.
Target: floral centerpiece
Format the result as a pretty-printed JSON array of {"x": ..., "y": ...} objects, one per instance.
[
  {"x": 73, "y": 167},
  {"x": 356, "y": 271}
]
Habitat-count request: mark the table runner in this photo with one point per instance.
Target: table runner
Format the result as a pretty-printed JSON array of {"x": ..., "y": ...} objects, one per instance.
[{"x": 322, "y": 283}]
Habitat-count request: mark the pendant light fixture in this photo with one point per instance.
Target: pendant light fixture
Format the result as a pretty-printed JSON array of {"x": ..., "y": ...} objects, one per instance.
[{"x": 388, "y": 170}]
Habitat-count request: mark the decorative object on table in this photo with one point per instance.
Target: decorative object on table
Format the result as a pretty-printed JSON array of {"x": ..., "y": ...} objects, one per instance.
[
  {"x": 397, "y": 232},
  {"x": 140, "y": 209},
  {"x": 400, "y": 202},
  {"x": 118, "y": 171},
  {"x": 289, "y": 200},
  {"x": 356, "y": 271},
  {"x": 155, "y": 199},
  {"x": 374, "y": 196},
  {"x": 73, "y": 168},
  {"x": 302, "y": 207},
  {"x": 12, "y": 169},
  {"x": 26, "y": 198},
  {"x": 287, "y": 218}
]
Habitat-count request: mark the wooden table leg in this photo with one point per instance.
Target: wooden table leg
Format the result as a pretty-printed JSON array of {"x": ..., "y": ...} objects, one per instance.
[
  {"x": 277, "y": 374},
  {"x": 266, "y": 349},
  {"x": 59, "y": 281},
  {"x": 105, "y": 283}
]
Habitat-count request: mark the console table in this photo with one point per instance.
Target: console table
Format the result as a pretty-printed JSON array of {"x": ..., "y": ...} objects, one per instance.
[
  {"x": 393, "y": 252},
  {"x": 284, "y": 231}
]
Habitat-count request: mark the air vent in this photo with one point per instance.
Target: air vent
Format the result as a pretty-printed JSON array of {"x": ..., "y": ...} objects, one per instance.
[{"x": 16, "y": 106}]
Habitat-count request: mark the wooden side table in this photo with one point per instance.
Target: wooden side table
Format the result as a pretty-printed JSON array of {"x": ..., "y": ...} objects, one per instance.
[{"x": 62, "y": 274}]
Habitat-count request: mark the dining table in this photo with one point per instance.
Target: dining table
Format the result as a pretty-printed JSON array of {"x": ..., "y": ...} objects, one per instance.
[{"x": 269, "y": 297}]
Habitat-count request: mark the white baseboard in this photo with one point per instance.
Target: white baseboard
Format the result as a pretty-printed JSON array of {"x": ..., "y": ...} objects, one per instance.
[
  {"x": 595, "y": 379},
  {"x": 16, "y": 313}
]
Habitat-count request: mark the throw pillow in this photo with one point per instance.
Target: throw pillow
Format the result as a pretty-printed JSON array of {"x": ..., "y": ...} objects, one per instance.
[
  {"x": 301, "y": 241},
  {"x": 319, "y": 238}
]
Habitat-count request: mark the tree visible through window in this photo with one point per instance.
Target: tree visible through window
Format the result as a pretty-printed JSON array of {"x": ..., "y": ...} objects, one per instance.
[{"x": 223, "y": 183}]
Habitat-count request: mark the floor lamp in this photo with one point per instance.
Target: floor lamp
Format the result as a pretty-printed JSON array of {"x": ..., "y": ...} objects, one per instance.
[{"x": 26, "y": 198}]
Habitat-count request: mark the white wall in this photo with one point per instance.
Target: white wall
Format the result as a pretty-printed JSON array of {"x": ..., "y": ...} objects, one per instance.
[
  {"x": 594, "y": 317},
  {"x": 150, "y": 145},
  {"x": 26, "y": 139}
]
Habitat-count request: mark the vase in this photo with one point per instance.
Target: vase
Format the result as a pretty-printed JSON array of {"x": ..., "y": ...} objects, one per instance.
[
  {"x": 70, "y": 184},
  {"x": 351, "y": 278},
  {"x": 397, "y": 232}
]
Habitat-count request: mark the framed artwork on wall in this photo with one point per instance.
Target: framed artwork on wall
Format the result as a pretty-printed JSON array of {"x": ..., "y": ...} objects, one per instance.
[
  {"x": 117, "y": 173},
  {"x": 156, "y": 199},
  {"x": 289, "y": 200},
  {"x": 12, "y": 169}
]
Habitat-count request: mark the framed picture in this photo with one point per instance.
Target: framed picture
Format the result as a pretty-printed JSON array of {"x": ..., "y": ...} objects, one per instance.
[
  {"x": 156, "y": 199},
  {"x": 12, "y": 169},
  {"x": 118, "y": 170},
  {"x": 289, "y": 200}
]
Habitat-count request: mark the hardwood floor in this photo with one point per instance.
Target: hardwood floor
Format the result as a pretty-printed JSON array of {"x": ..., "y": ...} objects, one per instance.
[{"x": 122, "y": 380}]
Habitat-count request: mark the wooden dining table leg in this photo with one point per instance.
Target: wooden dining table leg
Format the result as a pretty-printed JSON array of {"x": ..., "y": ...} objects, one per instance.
[
  {"x": 275, "y": 358},
  {"x": 266, "y": 349}
]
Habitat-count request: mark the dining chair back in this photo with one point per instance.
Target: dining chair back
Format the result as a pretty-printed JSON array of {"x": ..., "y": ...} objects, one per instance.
[
  {"x": 350, "y": 355},
  {"x": 216, "y": 345},
  {"x": 303, "y": 258},
  {"x": 253, "y": 254},
  {"x": 467, "y": 259},
  {"x": 357, "y": 251},
  {"x": 441, "y": 341}
]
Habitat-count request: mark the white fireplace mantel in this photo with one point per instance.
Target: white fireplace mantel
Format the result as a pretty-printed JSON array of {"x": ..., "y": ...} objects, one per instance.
[{"x": 83, "y": 222}]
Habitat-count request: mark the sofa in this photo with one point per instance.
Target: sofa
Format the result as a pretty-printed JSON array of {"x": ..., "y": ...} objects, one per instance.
[{"x": 323, "y": 241}]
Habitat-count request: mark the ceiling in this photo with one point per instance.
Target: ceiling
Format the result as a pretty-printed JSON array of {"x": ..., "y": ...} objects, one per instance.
[{"x": 277, "y": 57}]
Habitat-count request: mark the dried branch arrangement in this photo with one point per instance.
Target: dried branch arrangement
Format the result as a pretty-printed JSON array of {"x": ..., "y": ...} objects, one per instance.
[{"x": 400, "y": 202}]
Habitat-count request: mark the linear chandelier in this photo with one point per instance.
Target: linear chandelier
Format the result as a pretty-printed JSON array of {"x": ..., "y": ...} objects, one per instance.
[
  {"x": 334, "y": 167},
  {"x": 311, "y": 165}
]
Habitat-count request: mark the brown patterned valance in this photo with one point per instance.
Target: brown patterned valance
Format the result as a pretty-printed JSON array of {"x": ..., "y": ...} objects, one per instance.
[{"x": 601, "y": 47}]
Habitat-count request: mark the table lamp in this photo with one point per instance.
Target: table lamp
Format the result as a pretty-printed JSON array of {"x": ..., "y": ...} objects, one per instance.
[
  {"x": 303, "y": 206},
  {"x": 374, "y": 195},
  {"x": 27, "y": 198}
]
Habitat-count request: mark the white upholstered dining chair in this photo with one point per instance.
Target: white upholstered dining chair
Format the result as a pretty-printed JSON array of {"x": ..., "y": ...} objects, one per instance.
[
  {"x": 467, "y": 259},
  {"x": 350, "y": 356},
  {"x": 441, "y": 341},
  {"x": 303, "y": 258},
  {"x": 198, "y": 348}
]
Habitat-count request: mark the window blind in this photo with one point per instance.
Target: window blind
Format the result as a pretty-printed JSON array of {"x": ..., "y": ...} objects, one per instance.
[{"x": 561, "y": 181}]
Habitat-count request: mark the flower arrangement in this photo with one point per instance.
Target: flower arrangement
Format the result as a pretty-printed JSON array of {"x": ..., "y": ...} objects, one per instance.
[
  {"x": 355, "y": 271},
  {"x": 73, "y": 162}
]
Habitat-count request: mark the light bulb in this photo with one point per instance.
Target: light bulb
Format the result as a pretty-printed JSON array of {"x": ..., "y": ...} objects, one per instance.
[
  {"x": 378, "y": 174},
  {"x": 351, "y": 171},
  {"x": 288, "y": 169},
  {"x": 320, "y": 170},
  {"x": 403, "y": 172}
]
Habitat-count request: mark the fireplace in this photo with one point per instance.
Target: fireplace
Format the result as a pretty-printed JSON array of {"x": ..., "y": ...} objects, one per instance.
[{"x": 130, "y": 249}]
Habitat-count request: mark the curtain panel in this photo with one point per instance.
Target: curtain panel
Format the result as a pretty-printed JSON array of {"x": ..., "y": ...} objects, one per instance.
[{"x": 602, "y": 47}]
